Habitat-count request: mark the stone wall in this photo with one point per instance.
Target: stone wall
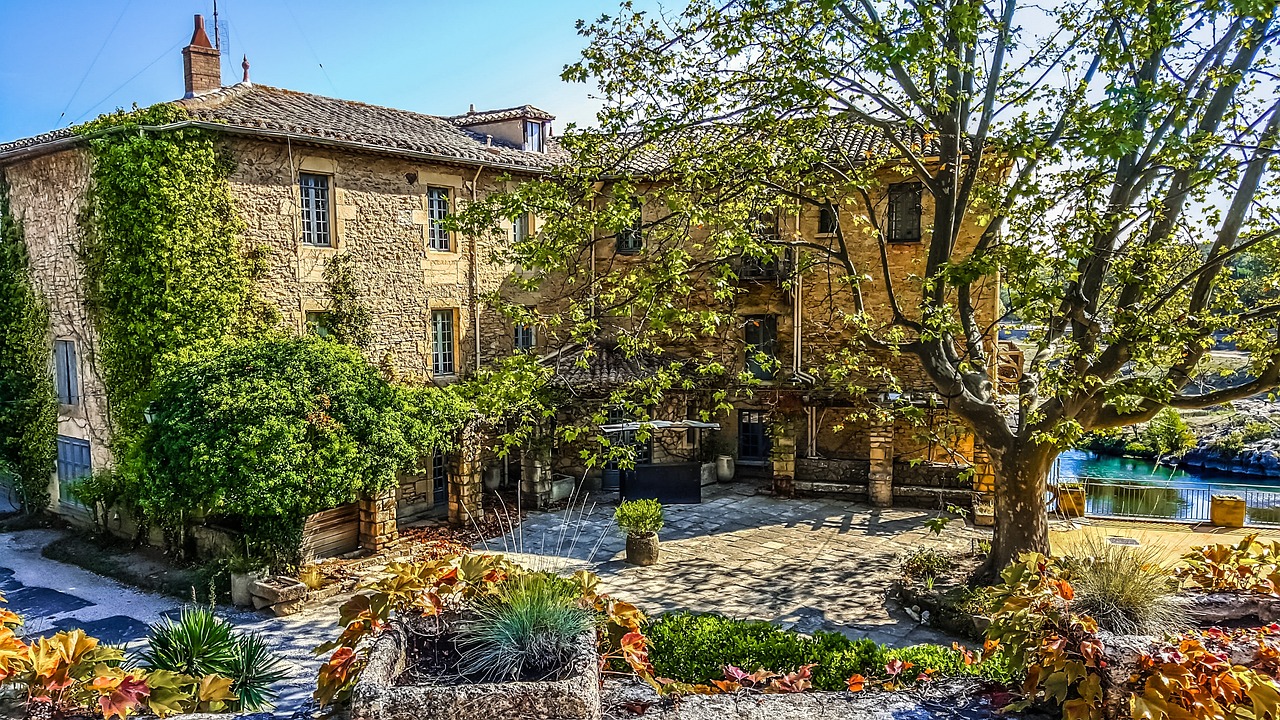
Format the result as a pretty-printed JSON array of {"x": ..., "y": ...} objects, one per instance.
[
  {"x": 47, "y": 194},
  {"x": 380, "y": 221},
  {"x": 834, "y": 471}
]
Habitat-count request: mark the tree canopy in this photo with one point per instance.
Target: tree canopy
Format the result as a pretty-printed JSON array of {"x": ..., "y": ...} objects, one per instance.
[{"x": 1112, "y": 158}]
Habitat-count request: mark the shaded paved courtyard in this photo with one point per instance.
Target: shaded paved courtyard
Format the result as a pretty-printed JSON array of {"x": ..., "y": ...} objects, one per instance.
[{"x": 809, "y": 564}]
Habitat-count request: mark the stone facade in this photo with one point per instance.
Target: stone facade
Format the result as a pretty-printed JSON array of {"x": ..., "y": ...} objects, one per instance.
[{"x": 379, "y": 220}]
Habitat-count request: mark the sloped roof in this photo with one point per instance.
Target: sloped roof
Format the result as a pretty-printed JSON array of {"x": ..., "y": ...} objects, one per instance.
[
  {"x": 275, "y": 112},
  {"x": 491, "y": 116},
  {"x": 599, "y": 368}
]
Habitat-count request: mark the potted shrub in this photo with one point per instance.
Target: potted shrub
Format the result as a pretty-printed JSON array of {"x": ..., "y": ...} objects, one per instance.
[
  {"x": 244, "y": 572},
  {"x": 640, "y": 521},
  {"x": 1227, "y": 511},
  {"x": 1070, "y": 499}
]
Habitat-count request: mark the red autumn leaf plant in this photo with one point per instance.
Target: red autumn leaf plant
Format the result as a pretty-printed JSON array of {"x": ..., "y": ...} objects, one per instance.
[{"x": 73, "y": 673}]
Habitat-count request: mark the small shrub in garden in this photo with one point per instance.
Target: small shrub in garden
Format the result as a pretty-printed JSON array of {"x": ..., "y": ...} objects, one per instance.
[
  {"x": 527, "y": 631},
  {"x": 639, "y": 517},
  {"x": 1129, "y": 591},
  {"x": 925, "y": 562},
  {"x": 200, "y": 643}
]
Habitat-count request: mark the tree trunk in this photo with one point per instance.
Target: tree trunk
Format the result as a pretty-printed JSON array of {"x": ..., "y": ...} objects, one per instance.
[{"x": 1021, "y": 475}]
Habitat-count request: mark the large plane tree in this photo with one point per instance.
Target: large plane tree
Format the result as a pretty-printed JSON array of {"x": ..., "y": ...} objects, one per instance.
[{"x": 1117, "y": 157}]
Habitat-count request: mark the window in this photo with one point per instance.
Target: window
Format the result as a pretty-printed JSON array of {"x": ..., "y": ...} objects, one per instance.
[
  {"x": 526, "y": 335},
  {"x": 315, "y": 209},
  {"x": 66, "y": 372},
  {"x": 520, "y": 228},
  {"x": 439, "y": 479},
  {"x": 318, "y": 323},
  {"x": 904, "y": 212},
  {"x": 442, "y": 342},
  {"x": 753, "y": 435},
  {"x": 533, "y": 140},
  {"x": 761, "y": 335},
  {"x": 74, "y": 464},
  {"x": 641, "y": 452},
  {"x": 631, "y": 239},
  {"x": 437, "y": 211},
  {"x": 828, "y": 220}
]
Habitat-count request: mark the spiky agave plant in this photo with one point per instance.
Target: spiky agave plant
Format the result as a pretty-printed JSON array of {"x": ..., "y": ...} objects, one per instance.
[
  {"x": 200, "y": 643},
  {"x": 254, "y": 668},
  {"x": 526, "y": 632}
]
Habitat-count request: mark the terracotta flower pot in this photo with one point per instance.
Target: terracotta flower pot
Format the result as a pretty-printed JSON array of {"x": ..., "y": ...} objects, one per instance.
[{"x": 642, "y": 549}]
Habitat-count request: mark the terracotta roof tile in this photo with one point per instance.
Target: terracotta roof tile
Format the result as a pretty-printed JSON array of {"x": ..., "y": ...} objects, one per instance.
[
  {"x": 489, "y": 116},
  {"x": 261, "y": 107}
]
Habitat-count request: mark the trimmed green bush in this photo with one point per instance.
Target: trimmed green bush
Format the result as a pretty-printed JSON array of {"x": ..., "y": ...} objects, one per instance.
[
  {"x": 639, "y": 517},
  {"x": 695, "y": 648}
]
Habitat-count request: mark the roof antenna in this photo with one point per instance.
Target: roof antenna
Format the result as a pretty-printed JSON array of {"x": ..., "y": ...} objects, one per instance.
[{"x": 217, "y": 36}]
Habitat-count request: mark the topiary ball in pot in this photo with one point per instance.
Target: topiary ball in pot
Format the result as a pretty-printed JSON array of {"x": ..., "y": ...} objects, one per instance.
[{"x": 640, "y": 521}]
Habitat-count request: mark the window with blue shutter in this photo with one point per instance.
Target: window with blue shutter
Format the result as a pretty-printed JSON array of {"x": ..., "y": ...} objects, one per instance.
[
  {"x": 74, "y": 464},
  {"x": 66, "y": 372}
]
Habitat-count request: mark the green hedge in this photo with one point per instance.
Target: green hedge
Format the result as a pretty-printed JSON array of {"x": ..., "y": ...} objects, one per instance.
[{"x": 695, "y": 648}]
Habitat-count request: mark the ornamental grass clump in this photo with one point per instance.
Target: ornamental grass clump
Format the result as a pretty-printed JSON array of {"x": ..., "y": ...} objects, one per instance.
[
  {"x": 639, "y": 517},
  {"x": 1127, "y": 590},
  {"x": 528, "y": 631}
]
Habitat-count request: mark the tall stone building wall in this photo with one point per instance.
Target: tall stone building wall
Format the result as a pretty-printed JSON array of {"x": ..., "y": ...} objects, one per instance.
[
  {"x": 47, "y": 195},
  {"x": 379, "y": 217}
]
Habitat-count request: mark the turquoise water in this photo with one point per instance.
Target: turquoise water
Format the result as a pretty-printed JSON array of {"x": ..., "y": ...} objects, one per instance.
[{"x": 1128, "y": 487}]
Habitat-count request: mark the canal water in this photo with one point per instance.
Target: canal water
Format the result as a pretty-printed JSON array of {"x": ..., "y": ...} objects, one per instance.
[{"x": 1129, "y": 487}]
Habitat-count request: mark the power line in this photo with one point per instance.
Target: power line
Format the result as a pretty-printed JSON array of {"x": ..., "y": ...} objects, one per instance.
[
  {"x": 160, "y": 57},
  {"x": 307, "y": 41},
  {"x": 92, "y": 63}
]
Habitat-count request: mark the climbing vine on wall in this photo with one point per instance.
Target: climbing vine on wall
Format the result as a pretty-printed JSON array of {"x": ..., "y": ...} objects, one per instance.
[
  {"x": 165, "y": 270},
  {"x": 28, "y": 406},
  {"x": 349, "y": 319}
]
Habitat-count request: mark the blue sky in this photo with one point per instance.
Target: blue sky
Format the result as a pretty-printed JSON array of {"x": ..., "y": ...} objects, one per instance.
[{"x": 67, "y": 61}]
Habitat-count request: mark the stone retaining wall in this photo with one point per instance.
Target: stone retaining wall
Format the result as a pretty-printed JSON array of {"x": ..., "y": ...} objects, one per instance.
[{"x": 856, "y": 472}]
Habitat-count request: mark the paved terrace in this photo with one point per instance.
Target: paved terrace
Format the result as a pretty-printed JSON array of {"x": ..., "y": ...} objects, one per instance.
[{"x": 820, "y": 564}]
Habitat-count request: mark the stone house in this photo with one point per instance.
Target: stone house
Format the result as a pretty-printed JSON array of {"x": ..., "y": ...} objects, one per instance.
[
  {"x": 314, "y": 178},
  {"x": 805, "y": 433}
]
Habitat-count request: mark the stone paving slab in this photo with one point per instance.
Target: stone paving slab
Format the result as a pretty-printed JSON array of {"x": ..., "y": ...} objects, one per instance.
[{"x": 811, "y": 564}]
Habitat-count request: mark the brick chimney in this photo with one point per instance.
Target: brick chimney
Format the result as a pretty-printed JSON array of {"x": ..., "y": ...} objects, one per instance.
[{"x": 201, "y": 69}]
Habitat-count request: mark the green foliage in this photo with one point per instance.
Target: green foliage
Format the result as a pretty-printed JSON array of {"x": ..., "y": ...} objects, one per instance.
[
  {"x": 1168, "y": 434},
  {"x": 273, "y": 430},
  {"x": 925, "y": 562},
  {"x": 165, "y": 272},
  {"x": 1128, "y": 591},
  {"x": 28, "y": 405},
  {"x": 200, "y": 643},
  {"x": 528, "y": 631},
  {"x": 349, "y": 319},
  {"x": 697, "y": 648},
  {"x": 197, "y": 643},
  {"x": 639, "y": 517}
]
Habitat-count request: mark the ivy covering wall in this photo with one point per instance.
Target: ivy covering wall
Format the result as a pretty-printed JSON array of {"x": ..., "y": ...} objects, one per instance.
[
  {"x": 166, "y": 274},
  {"x": 28, "y": 405}
]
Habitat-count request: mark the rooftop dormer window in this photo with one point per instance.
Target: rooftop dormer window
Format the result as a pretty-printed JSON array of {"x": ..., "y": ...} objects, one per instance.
[{"x": 533, "y": 136}]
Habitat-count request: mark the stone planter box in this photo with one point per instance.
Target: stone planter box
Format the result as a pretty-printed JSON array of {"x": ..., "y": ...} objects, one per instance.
[
  {"x": 376, "y": 695},
  {"x": 1070, "y": 501},
  {"x": 1226, "y": 511}
]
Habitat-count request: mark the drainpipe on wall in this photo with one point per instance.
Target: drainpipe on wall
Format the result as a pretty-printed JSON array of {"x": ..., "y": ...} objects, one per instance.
[{"x": 475, "y": 271}]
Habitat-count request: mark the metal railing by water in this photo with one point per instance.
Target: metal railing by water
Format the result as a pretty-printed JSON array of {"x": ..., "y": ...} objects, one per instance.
[{"x": 1179, "y": 502}]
